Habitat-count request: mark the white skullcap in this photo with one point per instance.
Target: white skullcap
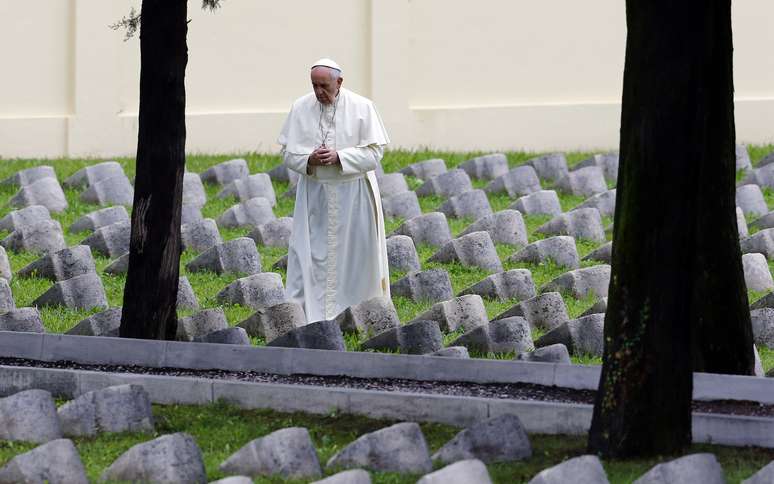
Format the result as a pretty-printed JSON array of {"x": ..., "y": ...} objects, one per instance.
[{"x": 325, "y": 62}]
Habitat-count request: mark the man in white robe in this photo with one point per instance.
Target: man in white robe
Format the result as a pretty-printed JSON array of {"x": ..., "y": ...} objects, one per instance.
[{"x": 337, "y": 255}]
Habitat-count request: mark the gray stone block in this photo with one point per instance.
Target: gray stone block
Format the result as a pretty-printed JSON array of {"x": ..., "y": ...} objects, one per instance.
[
  {"x": 766, "y": 301},
  {"x": 512, "y": 284},
  {"x": 466, "y": 312},
  {"x": 550, "y": 167},
  {"x": 452, "y": 352},
  {"x": 757, "y": 276},
  {"x": 471, "y": 204},
  {"x": 186, "y": 298},
  {"x": 55, "y": 462},
  {"x": 560, "y": 249},
  {"x": 24, "y": 217},
  {"x": 5, "y": 265},
  {"x": 89, "y": 175},
  {"x": 398, "y": 448},
  {"x": 430, "y": 228},
  {"x": 432, "y": 285},
  {"x": 282, "y": 173},
  {"x": 255, "y": 291},
  {"x": 519, "y": 181},
  {"x": 757, "y": 363},
  {"x": 763, "y": 476},
  {"x": 200, "y": 235},
  {"x": 29, "y": 416},
  {"x": 116, "y": 189},
  {"x": 608, "y": 162},
  {"x": 250, "y": 213},
  {"x": 499, "y": 336},
  {"x": 281, "y": 264},
  {"x": 234, "y": 480},
  {"x": 320, "y": 335},
  {"x": 586, "y": 469},
  {"x": 462, "y": 472},
  {"x": 603, "y": 253},
  {"x": 193, "y": 190},
  {"x": 426, "y": 169},
  {"x": 763, "y": 222},
  {"x": 100, "y": 218},
  {"x": 545, "y": 311},
  {"x": 190, "y": 213},
  {"x": 199, "y": 324},
  {"x": 40, "y": 237},
  {"x": 120, "y": 408},
  {"x": 750, "y": 199},
  {"x": 30, "y": 175},
  {"x": 44, "y": 191},
  {"x": 496, "y": 439},
  {"x": 447, "y": 184},
  {"x": 22, "y": 320},
  {"x": 694, "y": 468},
  {"x": 372, "y": 316},
  {"x": 583, "y": 223},
  {"x": 762, "y": 327},
  {"x": 403, "y": 205},
  {"x": 103, "y": 323},
  {"x": 79, "y": 292},
  {"x": 172, "y": 459},
  {"x": 288, "y": 453},
  {"x": 228, "y": 336},
  {"x": 111, "y": 240},
  {"x": 118, "y": 266},
  {"x": 582, "y": 282},
  {"x": 741, "y": 223},
  {"x": 504, "y": 227},
  {"x": 419, "y": 337},
  {"x": 274, "y": 321},
  {"x": 253, "y": 186},
  {"x": 391, "y": 184},
  {"x": 599, "y": 307},
  {"x": 766, "y": 160},
  {"x": 226, "y": 172},
  {"x": 541, "y": 202},
  {"x": 6, "y": 297},
  {"x": 274, "y": 233},
  {"x": 762, "y": 176},
  {"x": 583, "y": 181},
  {"x": 580, "y": 336},
  {"x": 743, "y": 161},
  {"x": 234, "y": 256},
  {"x": 604, "y": 202},
  {"x": 486, "y": 167},
  {"x": 352, "y": 476},
  {"x": 472, "y": 250},
  {"x": 556, "y": 353},
  {"x": 761, "y": 242},
  {"x": 61, "y": 265},
  {"x": 402, "y": 254}
]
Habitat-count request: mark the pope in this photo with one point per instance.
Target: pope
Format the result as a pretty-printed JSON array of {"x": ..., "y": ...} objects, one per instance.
[{"x": 337, "y": 255}]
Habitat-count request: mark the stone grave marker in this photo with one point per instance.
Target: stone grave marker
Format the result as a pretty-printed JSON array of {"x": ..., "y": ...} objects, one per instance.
[
  {"x": 193, "y": 190},
  {"x": 22, "y": 319},
  {"x": 200, "y": 235},
  {"x": 100, "y": 218},
  {"x": 29, "y": 416},
  {"x": 426, "y": 169},
  {"x": 79, "y": 292},
  {"x": 608, "y": 162},
  {"x": 583, "y": 223},
  {"x": 274, "y": 321},
  {"x": 44, "y": 191},
  {"x": 419, "y": 337},
  {"x": 556, "y": 353},
  {"x": 287, "y": 453},
  {"x": 199, "y": 324},
  {"x": 116, "y": 189},
  {"x": 519, "y": 181},
  {"x": 255, "y": 291},
  {"x": 371, "y": 317},
  {"x": 487, "y": 167},
  {"x": 472, "y": 250},
  {"x": 253, "y": 186},
  {"x": 545, "y": 311},
  {"x": 89, "y": 175},
  {"x": 226, "y": 172},
  {"x": 499, "y": 336},
  {"x": 431, "y": 285},
  {"x": 504, "y": 227},
  {"x": 24, "y": 217},
  {"x": 61, "y": 265},
  {"x": 103, "y": 323},
  {"x": 560, "y": 249},
  {"x": 750, "y": 199},
  {"x": 581, "y": 336},
  {"x": 430, "y": 228},
  {"x": 111, "y": 240},
  {"x": 172, "y": 458},
  {"x": 583, "y": 181},
  {"x": 391, "y": 184},
  {"x": 447, "y": 184},
  {"x": 472, "y": 204},
  {"x": 604, "y": 202},
  {"x": 603, "y": 253},
  {"x": 250, "y": 213},
  {"x": 514, "y": 283},
  {"x": 274, "y": 233},
  {"x": 320, "y": 335},
  {"x": 29, "y": 176},
  {"x": 403, "y": 205},
  {"x": 579, "y": 283},
  {"x": 402, "y": 254},
  {"x": 228, "y": 336},
  {"x": 54, "y": 462},
  {"x": 541, "y": 202},
  {"x": 119, "y": 408},
  {"x": 551, "y": 167},
  {"x": 234, "y": 256},
  {"x": 466, "y": 312},
  {"x": 41, "y": 238},
  {"x": 496, "y": 439}
]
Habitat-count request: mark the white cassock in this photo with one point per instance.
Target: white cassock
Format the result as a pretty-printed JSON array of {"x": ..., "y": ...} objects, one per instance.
[{"x": 338, "y": 254}]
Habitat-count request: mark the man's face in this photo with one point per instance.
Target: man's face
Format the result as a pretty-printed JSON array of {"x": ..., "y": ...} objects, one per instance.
[{"x": 325, "y": 87}]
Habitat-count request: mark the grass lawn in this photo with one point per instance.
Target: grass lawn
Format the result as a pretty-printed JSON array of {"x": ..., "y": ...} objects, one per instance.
[
  {"x": 207, "y": 285},
  {"x": 221, "y": 429}
]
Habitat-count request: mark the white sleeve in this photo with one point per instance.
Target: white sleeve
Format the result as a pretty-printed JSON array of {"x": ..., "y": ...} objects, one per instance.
[
  {"x": 295, "y": 161},
  {"x": 360, "y": 160}
]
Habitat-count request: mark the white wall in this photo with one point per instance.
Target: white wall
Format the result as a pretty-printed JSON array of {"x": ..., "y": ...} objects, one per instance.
[{"x": 452, "y": 74}]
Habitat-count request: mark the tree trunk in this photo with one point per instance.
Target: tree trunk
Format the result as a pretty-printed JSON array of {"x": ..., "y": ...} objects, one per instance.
[
  {"x": 150, "y": 295},
  {"x": 677, "y": 292}
]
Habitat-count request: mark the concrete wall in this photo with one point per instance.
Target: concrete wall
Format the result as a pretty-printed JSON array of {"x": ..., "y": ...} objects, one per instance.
[{"x": 451, "y": 74}]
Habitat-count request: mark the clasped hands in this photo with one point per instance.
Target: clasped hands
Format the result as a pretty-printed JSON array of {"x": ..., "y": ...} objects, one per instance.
[{"x": 323, "y": 156}]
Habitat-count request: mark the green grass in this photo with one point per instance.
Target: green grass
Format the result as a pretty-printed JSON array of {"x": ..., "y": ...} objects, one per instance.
[
  {"x": 207, "y": 285},
  {"x": 222, "y": 429}
]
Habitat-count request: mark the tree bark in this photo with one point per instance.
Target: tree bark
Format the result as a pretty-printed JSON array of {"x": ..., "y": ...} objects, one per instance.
[
  {"x": 677, "y": 293},
  {"x": 150, "y": 294}
]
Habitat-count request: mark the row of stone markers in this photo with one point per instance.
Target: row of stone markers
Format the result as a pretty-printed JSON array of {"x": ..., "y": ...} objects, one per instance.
[{"x": 289, "y": 453}]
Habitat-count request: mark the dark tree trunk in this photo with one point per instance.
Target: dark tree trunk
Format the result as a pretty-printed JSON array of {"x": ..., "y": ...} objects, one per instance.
[
  {"x": 150, "y": 295},
  {"x": 677, "y": 293}
]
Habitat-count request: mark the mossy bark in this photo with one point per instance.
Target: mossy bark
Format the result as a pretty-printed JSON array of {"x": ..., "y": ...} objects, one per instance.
[
  {"x": 677, "y": 295},
  {"x": 150, "y": 294}
]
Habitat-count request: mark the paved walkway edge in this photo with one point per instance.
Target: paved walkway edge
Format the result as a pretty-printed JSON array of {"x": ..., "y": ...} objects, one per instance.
[
  {"x": 537, "y": 417},
  {"x": 287, "y": 361}
]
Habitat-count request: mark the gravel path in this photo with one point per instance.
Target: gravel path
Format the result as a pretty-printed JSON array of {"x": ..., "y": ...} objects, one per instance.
[{"x": 514, "y": 391}]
